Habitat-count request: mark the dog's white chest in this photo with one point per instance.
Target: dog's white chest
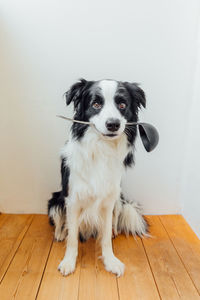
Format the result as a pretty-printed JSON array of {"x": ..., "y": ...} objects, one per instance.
[{"x": 95, "y": 166}]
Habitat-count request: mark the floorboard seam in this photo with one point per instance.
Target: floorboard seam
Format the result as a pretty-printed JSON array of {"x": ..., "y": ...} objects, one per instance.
[
  {"x": 44, "y": 269},
  {"x": 16, "y": 251},
  {"x": 151, "y": 269},
  {"x": 179, "y": 255}
]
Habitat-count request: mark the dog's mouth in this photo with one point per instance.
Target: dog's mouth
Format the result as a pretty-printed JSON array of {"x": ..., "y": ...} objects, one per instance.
[{"x": 110, "y": 135}]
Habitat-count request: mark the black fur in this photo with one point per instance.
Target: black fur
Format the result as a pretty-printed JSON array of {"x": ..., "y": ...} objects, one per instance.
[
  {"x": 83, "y": 94},
  {"x": 129, "y": 160},
  {"x": 82, "y": 238},
  {"x": 65, "y": 172},
  {"x": 80, "y": 95},
  {"x": 58, "y": 198},
  {"x": 58, "y": 202},
  {"x": 122, "y": 199},
  {"x": 136, "y": 93}
]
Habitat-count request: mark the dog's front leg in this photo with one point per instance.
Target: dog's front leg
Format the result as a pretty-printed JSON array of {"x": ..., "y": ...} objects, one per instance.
[
  {"x": 68, "y": 263},
  {"x": 111, "y": 262}
]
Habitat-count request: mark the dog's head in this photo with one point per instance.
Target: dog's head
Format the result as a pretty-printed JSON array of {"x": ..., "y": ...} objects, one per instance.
[{"x": 108, "y": 104}]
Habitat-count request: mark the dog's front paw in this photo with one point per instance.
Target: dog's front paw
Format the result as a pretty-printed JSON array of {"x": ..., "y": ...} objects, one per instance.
[
  {"x": 60, "y": 235},
  {"x": 67, "y": 266},
  {"x": 114, "y": 265}
]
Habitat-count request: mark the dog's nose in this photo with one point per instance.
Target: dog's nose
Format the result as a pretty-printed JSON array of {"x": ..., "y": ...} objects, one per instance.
[{"x": 112, "y": 124}]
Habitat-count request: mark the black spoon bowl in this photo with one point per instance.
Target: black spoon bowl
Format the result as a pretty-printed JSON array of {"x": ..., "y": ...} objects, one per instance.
[{"x": 149, "y": 136}]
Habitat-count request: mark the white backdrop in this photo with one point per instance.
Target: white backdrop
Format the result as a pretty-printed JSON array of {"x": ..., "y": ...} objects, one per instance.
[
  {"x": 190, "y": 188},
  {"x": 47, "y": 45}
]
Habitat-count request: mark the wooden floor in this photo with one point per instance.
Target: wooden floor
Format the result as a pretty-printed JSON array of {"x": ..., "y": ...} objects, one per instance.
[{"x": 166, "y": 266}]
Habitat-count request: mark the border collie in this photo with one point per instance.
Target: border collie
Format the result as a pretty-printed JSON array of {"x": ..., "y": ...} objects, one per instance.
[{"x": 91, "y": 203}]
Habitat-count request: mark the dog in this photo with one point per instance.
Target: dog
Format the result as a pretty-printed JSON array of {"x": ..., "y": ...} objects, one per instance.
[{"x": 91, "y": 203}]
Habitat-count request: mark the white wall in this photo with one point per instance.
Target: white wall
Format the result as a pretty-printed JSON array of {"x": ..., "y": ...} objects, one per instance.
[
  {"x": 190, "y": 191},
  {"x": 47, "y": 45}
]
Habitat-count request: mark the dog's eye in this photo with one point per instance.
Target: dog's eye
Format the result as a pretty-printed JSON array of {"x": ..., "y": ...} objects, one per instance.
[
  {"x": 96, "y": 105},
  {"x": 122, "y": 105}
]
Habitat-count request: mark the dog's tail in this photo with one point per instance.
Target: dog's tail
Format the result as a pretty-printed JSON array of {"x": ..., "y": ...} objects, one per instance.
[{"x": 128, "y": 218}]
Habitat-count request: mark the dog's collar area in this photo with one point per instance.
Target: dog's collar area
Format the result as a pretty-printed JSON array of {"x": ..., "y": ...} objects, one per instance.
[{"x": 148, "y": 133}]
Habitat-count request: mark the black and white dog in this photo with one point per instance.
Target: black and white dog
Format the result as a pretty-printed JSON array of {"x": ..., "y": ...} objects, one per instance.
[{"x": 91, "y": 202}]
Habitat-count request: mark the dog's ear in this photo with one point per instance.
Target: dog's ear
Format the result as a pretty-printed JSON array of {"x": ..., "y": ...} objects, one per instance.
[
  {"x": 136, "y": 93},
  {"x": 75, "y": 92}
]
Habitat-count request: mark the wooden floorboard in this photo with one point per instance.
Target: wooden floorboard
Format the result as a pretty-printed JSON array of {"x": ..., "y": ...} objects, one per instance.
[
  {"x": 54, "y": 285},
  {"x": 24, "y": 274},
  {"x": 93, "y": 272},
  {"x": 186, "y": 243},
  {"x": 165, "y": 266},
  {"x": 12, "y": 231},
  {"x": 169, "y": 272},
  {"x": 138, "y": 281}
]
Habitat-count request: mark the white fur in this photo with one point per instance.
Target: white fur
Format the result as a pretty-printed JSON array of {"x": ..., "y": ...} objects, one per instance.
[
  {"x": 116, "y": 213},
  {"x": 93, "y": 202},
  {"x": 108, "y": 89},
  {"x": 59, "y": 221},
  {"x": 130, "y": 220},
  {"x": 94, "y": 186}
]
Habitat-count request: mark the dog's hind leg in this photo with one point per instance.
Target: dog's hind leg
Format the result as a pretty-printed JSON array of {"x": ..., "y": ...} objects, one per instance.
[
  {"x": 57, "y": 215},
  {"x": 60, "y": 230},
  {"x": 116, "y": 212}
]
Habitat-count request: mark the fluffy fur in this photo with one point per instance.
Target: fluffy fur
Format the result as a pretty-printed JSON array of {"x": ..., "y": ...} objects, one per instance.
[{"x": 92, "y": 161}]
